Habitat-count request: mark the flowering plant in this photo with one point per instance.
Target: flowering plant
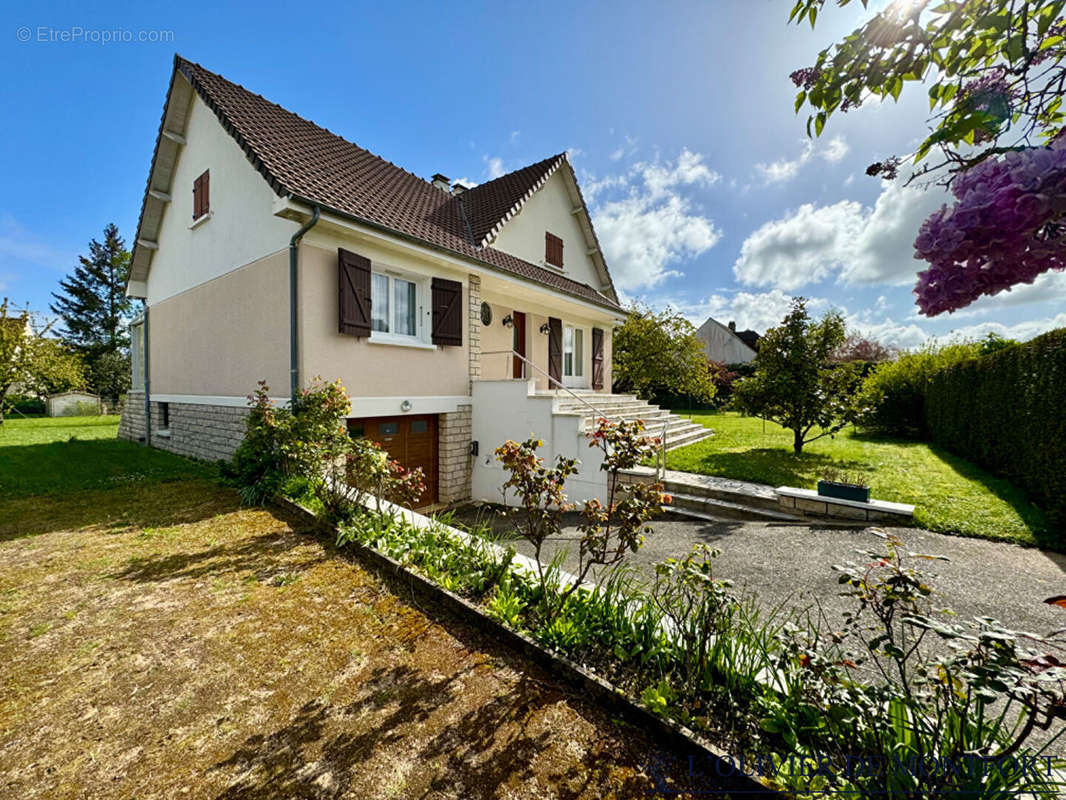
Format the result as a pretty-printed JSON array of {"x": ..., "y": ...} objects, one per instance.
[
  {"x": 608, "y": 530},
  {"x": 1008, "y": 226}
]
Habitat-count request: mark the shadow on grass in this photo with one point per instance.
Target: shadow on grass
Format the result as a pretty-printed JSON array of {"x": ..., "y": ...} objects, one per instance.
[
  {"x": 141, "y": 504},
  {"x": 327, "y": 750},
  {"x": 772, "y": 465},
  {"x": 260, "y": 552},
  {"x": 61, "y": 467}
]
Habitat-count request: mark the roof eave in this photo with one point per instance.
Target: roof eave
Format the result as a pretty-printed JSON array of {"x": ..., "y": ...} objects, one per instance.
[{"x": 607, "y": 303}]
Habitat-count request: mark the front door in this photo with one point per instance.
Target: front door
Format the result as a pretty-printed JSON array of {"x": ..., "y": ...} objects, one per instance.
[
  {"x": 519, "y": 344},
  {"x": 412, "y": 441},
  {"x": 574, "y": 357}
]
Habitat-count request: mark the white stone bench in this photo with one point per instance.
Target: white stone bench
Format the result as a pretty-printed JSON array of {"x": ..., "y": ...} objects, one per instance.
[{"x": 812, "y": 504}]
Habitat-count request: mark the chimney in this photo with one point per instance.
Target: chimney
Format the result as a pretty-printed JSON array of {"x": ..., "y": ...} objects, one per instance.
[
  {"x": 442, "y": 182},
  {"x": 458, "y": 189},
  {"x": 733, "y": 326}
]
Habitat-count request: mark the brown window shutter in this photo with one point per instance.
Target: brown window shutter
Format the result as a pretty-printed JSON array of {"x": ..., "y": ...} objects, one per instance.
[
  {"x": 555, "y": 351},
  {"x": 553, "y": 249},
  {"x": 201, "y": 195},
  {"x": 447, "y": 302},
  {"x": 597, "y": 358},
  {"x": 353, "y": 300}
]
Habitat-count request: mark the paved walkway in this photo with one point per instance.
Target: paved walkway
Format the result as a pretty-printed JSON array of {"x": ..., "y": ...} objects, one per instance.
[{"x": 792, "y": 562}]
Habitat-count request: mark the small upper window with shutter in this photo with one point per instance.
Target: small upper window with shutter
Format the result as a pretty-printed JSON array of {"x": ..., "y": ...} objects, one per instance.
[
  {"x": 553, "y": 250},
  {"x": 201, "y": 195}
]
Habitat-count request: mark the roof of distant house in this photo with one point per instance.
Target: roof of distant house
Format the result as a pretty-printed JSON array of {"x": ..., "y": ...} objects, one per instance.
[{"x": 311, "y": 164}]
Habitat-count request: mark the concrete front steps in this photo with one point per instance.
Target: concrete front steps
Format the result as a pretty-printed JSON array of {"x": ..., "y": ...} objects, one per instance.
[
  {"x": 679, "y": 431},
  {"x": 715, "y": 499}
]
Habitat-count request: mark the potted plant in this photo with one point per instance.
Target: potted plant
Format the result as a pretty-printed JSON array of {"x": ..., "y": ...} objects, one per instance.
[{"x": 844, "y": 487}]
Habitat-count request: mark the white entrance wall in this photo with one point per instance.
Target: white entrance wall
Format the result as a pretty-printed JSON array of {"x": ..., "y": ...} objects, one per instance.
[{"x": 510, "y": 409}]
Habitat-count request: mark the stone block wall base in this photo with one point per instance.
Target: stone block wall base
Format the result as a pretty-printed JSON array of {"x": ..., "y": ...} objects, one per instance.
[
  {"x": 453, "y": 455},
  {"x": 205, "y": 432}
]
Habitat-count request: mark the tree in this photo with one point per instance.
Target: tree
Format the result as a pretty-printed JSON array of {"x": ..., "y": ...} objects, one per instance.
[
  {"x": 32, "y": 362},
  {"x": 858, "y": 348},
  {"x": 996, "y": 72},
  {"x": 794, "y": 383},
  {"x": 660, "y": 354},
  {"x": 110, "y": 374},
  {"x": 94, "y": 307}
]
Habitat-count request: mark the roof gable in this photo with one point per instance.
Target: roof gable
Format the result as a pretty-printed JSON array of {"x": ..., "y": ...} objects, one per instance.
[{"x": 312, "y": 165}]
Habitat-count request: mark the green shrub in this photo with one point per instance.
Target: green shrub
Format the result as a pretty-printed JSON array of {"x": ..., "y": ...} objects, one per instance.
[
  {"x": 892, "y": 398},
  {"x": 23, "y": 404},
  {"x": 305, "y": 451},
  {"x": 1007, "y": 412}
]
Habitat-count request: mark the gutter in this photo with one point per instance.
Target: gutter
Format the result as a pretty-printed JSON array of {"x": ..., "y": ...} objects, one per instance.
[{"x": 294, "y": 342}]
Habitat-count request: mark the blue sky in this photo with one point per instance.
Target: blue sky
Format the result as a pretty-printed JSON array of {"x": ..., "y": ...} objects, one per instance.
[{"x": 678, "y": 116}]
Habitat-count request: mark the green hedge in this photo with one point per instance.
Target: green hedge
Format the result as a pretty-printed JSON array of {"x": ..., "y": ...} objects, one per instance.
[{"x": 1007, "y": 412}]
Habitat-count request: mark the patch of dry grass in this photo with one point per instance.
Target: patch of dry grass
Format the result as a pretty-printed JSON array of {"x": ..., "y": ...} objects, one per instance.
[{"x": 161, "y": 641}]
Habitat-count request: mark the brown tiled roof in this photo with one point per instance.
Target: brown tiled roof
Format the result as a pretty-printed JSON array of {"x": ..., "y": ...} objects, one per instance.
[
  {"x": 490, "y": 203},
  {"x": 312, "y": 164}
]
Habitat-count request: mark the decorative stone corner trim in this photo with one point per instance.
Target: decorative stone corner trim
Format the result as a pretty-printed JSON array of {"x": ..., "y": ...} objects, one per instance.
[
  {"x": 811, "y": 504},
  {"x": 474, "y": 333}
]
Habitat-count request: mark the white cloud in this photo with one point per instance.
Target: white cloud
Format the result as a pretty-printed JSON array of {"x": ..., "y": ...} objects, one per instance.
[
  {"x": 1022, "y": 331},
  {"x": 756, "y": 310},
  {"x": 785, "y": 169},
  {"x": 642, "y": 238},
  {"x": 467, "y": 182},
  {"x": 801, "y": 248},
  {"x": 688, "y": 170},
  {"x": 835, "y": 149},
  {"x": 494, "y": 166},
  {"x": 652, "y": 226},
  {"x": 862, "y": 245},
  {"x": 1047, "y": 288}
]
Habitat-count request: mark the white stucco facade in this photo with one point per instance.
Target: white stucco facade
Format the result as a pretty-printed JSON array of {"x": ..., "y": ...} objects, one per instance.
[
  {"x": 241, "y": 227},
  {"x": 529, "y": 414},
  {"x": 551, "y": 209}
]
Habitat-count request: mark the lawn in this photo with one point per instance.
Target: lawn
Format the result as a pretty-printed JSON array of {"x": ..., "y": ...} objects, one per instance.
[
  {"x": 51, "y": 455},
  {"x": 157, "y": 640},
  {"x": 950, "y": 495}
]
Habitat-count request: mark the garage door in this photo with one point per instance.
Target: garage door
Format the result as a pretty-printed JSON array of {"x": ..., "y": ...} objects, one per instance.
[{"x": 411, "y": 440}]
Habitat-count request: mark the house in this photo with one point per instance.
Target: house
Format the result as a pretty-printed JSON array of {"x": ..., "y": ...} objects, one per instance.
[
  {"x": 269, "y": 248},
  {"x": 724, "y": 344}
]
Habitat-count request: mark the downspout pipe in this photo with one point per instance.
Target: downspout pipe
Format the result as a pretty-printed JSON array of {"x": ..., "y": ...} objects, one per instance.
[
  {"x": 147, "y": 382},
  {"x": 294, "y": 341}
]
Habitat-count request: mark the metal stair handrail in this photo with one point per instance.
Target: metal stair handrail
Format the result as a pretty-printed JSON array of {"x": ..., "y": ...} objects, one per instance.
[{"x": 551, "y": 380}]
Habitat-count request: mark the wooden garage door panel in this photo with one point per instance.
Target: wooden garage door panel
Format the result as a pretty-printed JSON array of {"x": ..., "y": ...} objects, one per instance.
[{"x": 412, "y": 441}]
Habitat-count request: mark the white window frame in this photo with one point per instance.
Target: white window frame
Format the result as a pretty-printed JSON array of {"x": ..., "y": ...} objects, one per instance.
[
  {"x": 582, "y": 380},
  {"x": 423, "y": 312}
]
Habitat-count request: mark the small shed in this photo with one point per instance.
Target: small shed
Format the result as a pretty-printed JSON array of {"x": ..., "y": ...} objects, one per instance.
[{"x": 72, "y": 404}]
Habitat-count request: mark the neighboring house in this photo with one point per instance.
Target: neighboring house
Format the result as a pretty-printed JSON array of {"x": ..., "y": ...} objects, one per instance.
[
  {"x": 723, "y": 343},
  {"x": 271, "y": 249}
]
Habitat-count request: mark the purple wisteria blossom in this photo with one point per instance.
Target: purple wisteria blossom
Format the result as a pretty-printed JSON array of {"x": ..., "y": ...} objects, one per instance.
[{"x": 1008, "y": 226}]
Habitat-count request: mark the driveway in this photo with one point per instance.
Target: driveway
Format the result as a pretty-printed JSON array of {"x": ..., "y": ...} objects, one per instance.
[{"x": 792, "y": 563}]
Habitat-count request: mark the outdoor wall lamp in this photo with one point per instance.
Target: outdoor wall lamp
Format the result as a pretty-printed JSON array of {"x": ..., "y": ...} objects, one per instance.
[
  {"x": 508, "y": 321},
  {"x": 405, "y": 406},
  {"x": 545, "y": 328}
]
